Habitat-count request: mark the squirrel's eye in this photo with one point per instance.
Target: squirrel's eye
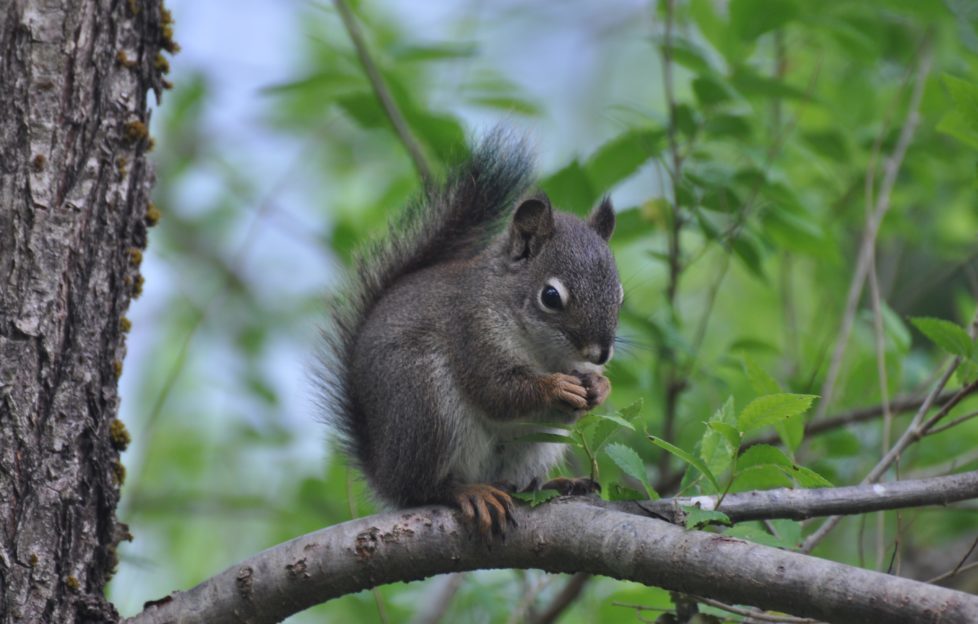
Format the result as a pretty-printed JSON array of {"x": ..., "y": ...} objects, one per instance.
[{"x": 550, "y": 297}]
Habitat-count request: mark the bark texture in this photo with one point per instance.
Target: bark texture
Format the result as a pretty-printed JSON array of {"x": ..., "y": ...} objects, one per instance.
[
  {"x": 568, "y": 535},
  {"x": 74, "y": 194}
]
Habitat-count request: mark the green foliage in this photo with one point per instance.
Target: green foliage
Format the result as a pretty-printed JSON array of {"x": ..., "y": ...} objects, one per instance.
[{"x": 741, "y": 207}]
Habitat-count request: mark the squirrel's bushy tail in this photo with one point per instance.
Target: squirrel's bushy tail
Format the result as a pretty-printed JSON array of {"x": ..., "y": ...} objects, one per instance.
[{"x": 454, "y": 220}]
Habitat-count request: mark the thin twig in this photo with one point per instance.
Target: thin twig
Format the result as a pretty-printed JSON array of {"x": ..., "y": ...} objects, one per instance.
[
  {"x": 755, "y": 614},
  {"x": 954, "y": 423},
  {"x": 383, "y": 93},
  {"x": 914, "y": 432},
  {"x": 873, "y": 221},
  {"x": 674, "y": 383},
  {"x": 570, "y": 592},
  {"x": 960, "y": 567},
  {"x": 898, "y": 405},
  {"x": 956, "y": 571}
]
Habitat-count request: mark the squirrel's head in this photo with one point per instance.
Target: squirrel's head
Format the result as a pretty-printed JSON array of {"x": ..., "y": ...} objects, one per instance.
[{"x": 568, "y": 287}]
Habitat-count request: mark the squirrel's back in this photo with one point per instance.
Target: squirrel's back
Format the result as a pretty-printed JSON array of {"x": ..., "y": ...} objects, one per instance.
[{"x": 453, "y": 221}]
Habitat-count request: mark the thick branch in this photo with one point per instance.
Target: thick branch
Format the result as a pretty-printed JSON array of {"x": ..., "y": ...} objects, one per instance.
[{"x": 569, "y": 535}]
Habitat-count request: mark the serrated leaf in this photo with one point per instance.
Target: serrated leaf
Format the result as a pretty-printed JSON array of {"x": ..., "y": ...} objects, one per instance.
[
  {"x": 729, "y": 432},
  {"x": 695, "y": 462},
  {"x": 631, "y": 412},
  {"x": 946, "y": 335},
  {"x": 808, "y": 478},
  {"x": 536, "y": 497},
  {"x": 791, "y": 430},
  {"x": 761, "y": 477},
  {"x": 631, "y": 464},
  {"x": 696, "y": 517},
  {"x": 720, "y": 441},
  {"x": 762, "y": 454},
  {"x": 762, "y": 382},
  {"x": 773, "y": 408}
]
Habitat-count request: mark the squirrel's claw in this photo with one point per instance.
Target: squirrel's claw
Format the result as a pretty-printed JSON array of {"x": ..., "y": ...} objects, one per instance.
[
  {"x": 569, "y": 390},
  {"x": 486, "y": 507},
  {"x": 597, "y": 388}
]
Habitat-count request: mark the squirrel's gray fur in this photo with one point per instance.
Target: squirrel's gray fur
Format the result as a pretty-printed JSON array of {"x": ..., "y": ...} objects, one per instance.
[{"x": 441, "y": 350}]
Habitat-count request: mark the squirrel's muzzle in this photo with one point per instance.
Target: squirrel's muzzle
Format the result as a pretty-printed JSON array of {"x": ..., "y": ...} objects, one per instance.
[{"x": 598, "y": 354}]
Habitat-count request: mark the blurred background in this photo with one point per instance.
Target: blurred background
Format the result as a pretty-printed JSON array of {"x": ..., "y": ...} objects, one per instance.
[{"x": 274, "y": 161}]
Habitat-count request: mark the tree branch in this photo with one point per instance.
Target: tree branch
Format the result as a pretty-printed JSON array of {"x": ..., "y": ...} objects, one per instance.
[
  {"x": 577, "y": 535},
  {"x": 804, "y": 504}
]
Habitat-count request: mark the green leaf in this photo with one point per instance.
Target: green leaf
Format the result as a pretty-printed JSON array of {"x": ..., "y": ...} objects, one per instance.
[
  {"x": 570, "y": 188},
  {"x": 687, "y": 54},
  {"x": 617, "y": 491},
  {"x": 791, "y": 431},
  {"x": 730, "y": 433},
  {"x": 537, "y": 497},
  {"x": 632, "y": 411},
  {"x": 720, "y": 441},
  {"x": 967, "y": 372},
  {"x": 761, "y": 477},
  {"x": 945, "y": 334},
  {"x": 696, "y": 517},
  {"x": 598, "y": 427},
  {"x": 808, "y": 478},
  {"x": 760, "y": 380},
  {"x": 773, "y": 408},
  {"x": 631, "y": 464},
  {"x": 711, "y": 91},
  {"x": 748, "y": 251},
  {"x": 896, "y": 329},
  {"x": 752, "y": 18},
  {"x": 754, "y": 533},
  {"x": 749, "y": 82},
  {"x": 766, "y": 456},
  {"x": 962, "y": 121},
  {"x": 695, "y": 462},
  {"x": 622, "y": 156},
  {"x": 831, "y": 144},
  {"x": 762, "y": 454}
]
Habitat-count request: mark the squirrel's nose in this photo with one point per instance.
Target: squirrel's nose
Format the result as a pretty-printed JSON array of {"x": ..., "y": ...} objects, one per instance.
[{"x": 598, "y": 354}]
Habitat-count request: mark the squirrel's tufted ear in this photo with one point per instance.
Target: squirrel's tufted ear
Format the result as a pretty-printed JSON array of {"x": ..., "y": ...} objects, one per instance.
[
  {"x": 602, "y": 219},
  {"x": 533, "y": 224}
]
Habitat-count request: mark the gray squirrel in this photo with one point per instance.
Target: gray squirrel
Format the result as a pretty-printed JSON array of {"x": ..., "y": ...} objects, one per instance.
[{"x": 458, "y": 335}]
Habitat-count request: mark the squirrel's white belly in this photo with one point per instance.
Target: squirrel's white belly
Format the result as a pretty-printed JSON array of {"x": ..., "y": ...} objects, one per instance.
[{"x": 491, "y": 452}]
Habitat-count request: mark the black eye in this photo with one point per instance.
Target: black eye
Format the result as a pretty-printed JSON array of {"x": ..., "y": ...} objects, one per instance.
[{"x": 551, "y": 298}]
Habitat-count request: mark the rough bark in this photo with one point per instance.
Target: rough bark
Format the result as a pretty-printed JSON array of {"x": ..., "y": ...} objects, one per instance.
[
  {"x": 569, "y": 535},
  {"x": 74, "y": 184}
]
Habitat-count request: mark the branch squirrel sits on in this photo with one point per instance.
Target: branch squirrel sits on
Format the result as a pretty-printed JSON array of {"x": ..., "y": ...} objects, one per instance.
[{"x": 457, "y": 334}]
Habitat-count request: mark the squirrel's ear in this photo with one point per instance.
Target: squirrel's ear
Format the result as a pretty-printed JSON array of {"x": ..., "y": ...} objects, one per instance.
[
  {"x": 602, "y": 219},
  {"x": 533, "y": 223}
]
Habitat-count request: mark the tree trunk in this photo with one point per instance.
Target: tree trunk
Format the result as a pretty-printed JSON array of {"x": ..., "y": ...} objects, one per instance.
[{"x": 74, "y": 196}]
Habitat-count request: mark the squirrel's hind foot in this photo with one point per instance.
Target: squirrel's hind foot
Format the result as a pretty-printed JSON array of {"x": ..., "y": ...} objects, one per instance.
[{"x": 486, "y": 507}]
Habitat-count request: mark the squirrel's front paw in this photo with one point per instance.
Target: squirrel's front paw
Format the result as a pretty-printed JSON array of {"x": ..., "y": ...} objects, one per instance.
[
  {"x": 568, "y": 392},
  {"x": 598, "y": 388}
]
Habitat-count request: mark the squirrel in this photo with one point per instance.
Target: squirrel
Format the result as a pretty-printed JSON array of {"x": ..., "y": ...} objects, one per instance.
[{"x": 459, "y": 334}]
